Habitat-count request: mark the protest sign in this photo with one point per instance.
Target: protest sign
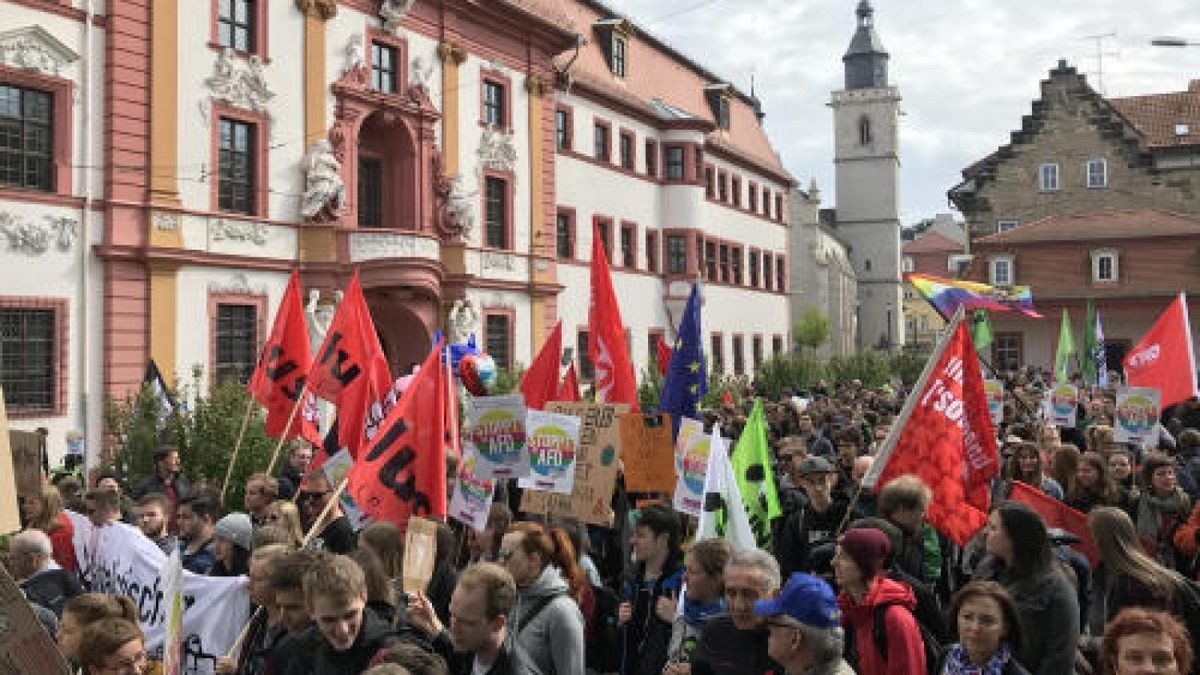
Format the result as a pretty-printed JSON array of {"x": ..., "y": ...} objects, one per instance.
[
  {"x": 336, "y": 469},
  {"x": 472, "y": 499},
  {"x": 420, "y": 548},
  {"x": 552, "y": 444},
  {"x": 10, "y": 512},
  {"x": 27, "y": 461},
  {"x": 25, "y": 646},
  {"x": 119, "y": 559},
  {"x": 1063, "y": 400},
  {"x": 693, "y": 465},
  {"x": 647, "y": 452},
  {"x": 687, "y": 427},
  {"x": 496, "y": 432},
  {"x": 173, "y": 590},
  {"x": 590, "y": 500},
  {"x": 1136, "y": 419},
  {"x": 994, "y": 391}
]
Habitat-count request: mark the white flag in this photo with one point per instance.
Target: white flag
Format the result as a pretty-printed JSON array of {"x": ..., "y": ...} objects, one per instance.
[{"x": 724, "y": 515}]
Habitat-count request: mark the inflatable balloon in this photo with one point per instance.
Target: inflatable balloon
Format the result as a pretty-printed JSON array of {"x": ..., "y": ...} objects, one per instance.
[
  {"x": 478, "y": 373},
  {"x": 485, "y": 367}
]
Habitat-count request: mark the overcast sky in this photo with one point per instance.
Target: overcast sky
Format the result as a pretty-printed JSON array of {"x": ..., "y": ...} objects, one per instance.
[{"x": 967, "y": 69}]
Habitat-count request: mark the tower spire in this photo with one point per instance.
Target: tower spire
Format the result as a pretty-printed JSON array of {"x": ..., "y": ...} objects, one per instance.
[{"x": 866, "y": 60}]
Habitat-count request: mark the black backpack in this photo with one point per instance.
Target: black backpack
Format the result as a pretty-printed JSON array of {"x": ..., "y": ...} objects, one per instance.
[
  {"x": 933, "y": 648},
  {"x": 603, "y": 643}
]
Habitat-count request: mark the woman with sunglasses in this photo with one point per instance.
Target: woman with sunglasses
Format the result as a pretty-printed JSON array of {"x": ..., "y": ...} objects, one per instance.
[{"x": 113, "y": 647}]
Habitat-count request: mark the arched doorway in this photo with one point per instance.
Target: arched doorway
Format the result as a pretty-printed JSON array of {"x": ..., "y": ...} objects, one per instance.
[
  {"x": 388, "y": 194},
  {"x": 402, "y": 333}
]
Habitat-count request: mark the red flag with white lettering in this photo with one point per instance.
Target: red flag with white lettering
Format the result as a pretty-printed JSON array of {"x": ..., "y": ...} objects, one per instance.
[
  {"x": 402, "y": 471},
  {"x": 1165, "y": 358},
  {"x": 1057, "y": 514},
  {"x": 283, "y": 367},
  {"x": 569, "y": 391},
  {"x": 606, "y": 341},
  {"x": 350, "y": 370},
  {"x": 944, "y": 436},
  {"x": 540, "y": 383}
]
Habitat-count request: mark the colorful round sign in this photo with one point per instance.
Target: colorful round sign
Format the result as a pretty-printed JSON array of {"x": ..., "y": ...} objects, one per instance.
[
  {"x": 551, "y": 450},
  {"x": 694, "y": 463},
  {"x": 1137, "y": 414},
  {"x": 1064, "y": 399},
  {"x": 499, "y": 436}
]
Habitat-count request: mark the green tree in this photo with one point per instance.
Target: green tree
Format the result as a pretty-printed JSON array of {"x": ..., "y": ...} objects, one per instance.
[
  {"x": 812, "y": 329},
  {"x": 784, "y": 373},
  {"x": 650, "y": 389},
  {"x": 869, "y": 367}
]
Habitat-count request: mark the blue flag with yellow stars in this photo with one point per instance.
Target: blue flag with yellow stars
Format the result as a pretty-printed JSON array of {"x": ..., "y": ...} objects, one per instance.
[{"x": 687, "y": 381}]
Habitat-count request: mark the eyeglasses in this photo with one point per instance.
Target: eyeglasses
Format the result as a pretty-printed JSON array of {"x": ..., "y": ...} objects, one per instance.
[{"x": 311, "y": 496}]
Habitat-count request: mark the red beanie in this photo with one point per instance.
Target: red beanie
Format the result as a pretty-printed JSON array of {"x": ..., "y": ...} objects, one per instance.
[{"x": 868, "y": 548}]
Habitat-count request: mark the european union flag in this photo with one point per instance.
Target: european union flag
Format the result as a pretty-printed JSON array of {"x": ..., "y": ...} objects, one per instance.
[{"x": 687, "y": 381}]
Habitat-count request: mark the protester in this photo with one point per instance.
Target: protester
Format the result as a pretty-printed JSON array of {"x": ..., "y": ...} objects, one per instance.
[
  {"x": 84, "y": 610},
  {"x": 103, "y": 507},
  {"x": 107, "y": 479},
  {"x": 483, "y": 546},
  {"x": 334, "y": 533},
  {"x": 231, "y": 546},
  {"x": 260, "y": 634},
  {"x": 1091, "y": 485},
  {"x": 1120, "y": 467},
  {"x": 287, "y": 592},
  {"x": 814, "y": 442},
  {"x": 292, "y": 472},
  {"x": 152, "y": 520},
  {"x": 649, "y": 598},
  {"x": 1026, "y": 466},
  {"x": 1160, "y": 510},
  {"x": 814, "y": 520},
  {"x": 284, "y": 514},
  {"x": 382, "y": 598},
  {"x": 441, "y": 586},
  {"x": 44, "y": 511},
  {"x": 409, "y": 659},
  {"x": 864, "y": 591},
  {"x": 986, "y": 630},
  {"x": 548, "y": 626},
  {"x": 383, "y": 538},
  {"x": 166, "y": 480},
  {"x": 1145, "y": 641},
  {"x": 42, "y": 580},
  {"x": 903, "y": 503},
  {"x": 197, "y": 518},
  {"x": 113, "y": 645},
  {"x": 804, "y": 630},
  {"x": 1020, "y": 560},
  {"x": 261, "y": 492},
  {"x": 736, "y": 643},
  {"x": 480, "y": 609},
  {"x": 703, "y": 600}
]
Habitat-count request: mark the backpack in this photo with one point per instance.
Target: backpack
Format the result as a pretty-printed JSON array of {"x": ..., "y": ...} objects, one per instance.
[
  {"x": 933, "y": 648},
  {"x": 603, "y": 643}
]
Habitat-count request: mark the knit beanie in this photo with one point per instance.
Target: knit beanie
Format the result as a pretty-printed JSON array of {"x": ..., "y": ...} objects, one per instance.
[
  {"x": 235, "y": 527},
  {"x": 868, "y": 548}
]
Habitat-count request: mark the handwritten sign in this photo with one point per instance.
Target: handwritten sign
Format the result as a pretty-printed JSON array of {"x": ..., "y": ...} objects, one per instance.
[
  {"x": 693, "y": 465},
  {"x": 552, "y": 444},
  {"x": 1137, "y": 416},
  {"x": 27, "y": 461},
  {"x": 420, "y": 552},
  {"x": 994, "y": 391},
  {"x": 1064, "y": 398},
  {"x": 25, "y": 646},
  {"x": 496, "y": 433},
  {"x": 472, "y": 498},
  {"x": 647, "y": 453},
  {"x": 590, "y": 500}
]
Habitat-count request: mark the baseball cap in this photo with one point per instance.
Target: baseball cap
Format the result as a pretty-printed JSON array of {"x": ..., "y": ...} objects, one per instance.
[
  {"x": 814, "y": 464},
  {"x": 805, "y": 598}
]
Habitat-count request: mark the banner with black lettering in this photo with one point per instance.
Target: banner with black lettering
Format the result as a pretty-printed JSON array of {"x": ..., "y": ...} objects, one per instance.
[{"x": 119, "y": 559}]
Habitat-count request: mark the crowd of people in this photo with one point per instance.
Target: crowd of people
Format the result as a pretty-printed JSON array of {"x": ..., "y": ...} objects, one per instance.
[{"x": 851, "y": 581}]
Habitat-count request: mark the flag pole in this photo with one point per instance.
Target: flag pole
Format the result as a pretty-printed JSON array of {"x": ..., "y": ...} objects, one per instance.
[
  {"x": 237, "y": 448},
  {"x": 287, "y": 427}
]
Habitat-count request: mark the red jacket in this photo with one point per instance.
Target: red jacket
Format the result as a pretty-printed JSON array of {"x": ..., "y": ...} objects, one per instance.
[
  {"x": 906, "y": 651},
  {"x": 63, "y": 545}
]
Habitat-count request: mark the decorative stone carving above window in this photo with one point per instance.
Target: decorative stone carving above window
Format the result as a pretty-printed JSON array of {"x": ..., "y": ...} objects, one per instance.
[
  {"x": 392, "y": 12},
  {"x": 497, "y": 151},
  {"x": 35, "y": 239},
  {"x": 241, "y": 85},
  {"x": 237, "y": 284},
  {"x": 165, "y": 222},
  {"x": 497, "y": 261},
  {"x": 322, "y": 9},
  {"x": 239, "y": 230},
  {"x": 33, "y": 48}
]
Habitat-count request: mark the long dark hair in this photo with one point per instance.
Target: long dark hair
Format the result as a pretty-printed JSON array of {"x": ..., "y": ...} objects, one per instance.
[{"x": 1030, "y": 541}]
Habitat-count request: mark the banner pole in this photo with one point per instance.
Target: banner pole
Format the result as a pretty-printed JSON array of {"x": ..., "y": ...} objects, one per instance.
[
  {"x": 236, "y": 449},
  {"x": 287, "y": 427},
  {"x": 337, "y": 495}
]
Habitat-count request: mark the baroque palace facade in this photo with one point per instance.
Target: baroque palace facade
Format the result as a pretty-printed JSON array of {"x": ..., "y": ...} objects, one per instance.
[{"x": 164, "y": 164}]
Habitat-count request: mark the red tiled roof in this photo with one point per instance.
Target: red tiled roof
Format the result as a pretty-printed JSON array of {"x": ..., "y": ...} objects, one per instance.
[
  {"x": 932, "y": 242},
  {"x": 1139, "y": 224},
  {"x": 1156, "y": 115}
]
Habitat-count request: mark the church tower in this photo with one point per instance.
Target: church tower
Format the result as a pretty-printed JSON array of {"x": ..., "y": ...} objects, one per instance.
[{"x": 866, "y": 164}]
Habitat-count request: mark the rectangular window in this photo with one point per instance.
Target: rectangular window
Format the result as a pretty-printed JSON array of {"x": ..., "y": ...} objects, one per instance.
[
  {"x": 493, "y": 103},
  {"x": 370, "y": 192},
  {"x": 697, "y": 162},
  {"x": 723, "y": 112},
  {"x": 1002, "y": 272},
  {"x": 736, "y": 264},
  {"x": 496, "y": 212},
  {"x": 723, "y": 252},
  {"x": 565, "y": 235},
  {"x": 1006, "y": 351},
  {"x": 603, "y": 144},
  {"x": 736, "y": 187},
  {"x": 674, "y": 163},
  {"x": 383, "y": 68},
  {"x": 236, "y": 342},
  {"x": 26, "y": 138},
  {"x": 753, "y": 266},
  {"x": 562, "y": 129},
  {"x": 717, "y": 353},
  {"x": 722, "y": 186},
  {"x": 652, "y": 252},
  {"x": 1005, "y": 225},
  {"x": 780, "y": 275},
  {"x": 628, "y": 252},
  {"x": 756, "y": 351},
  {"x": 1097, "y": 173},
  {"x": 779, "y": 208},
  {"x": 618, "y": 56},
  {"x": 676, "y": 254},
  {"x": 1106, "y": 268},
  {"x": 235, "y": 24},
  {"x": 604, "y": 228},
  {"x": 29, "y": 359},
  {"x": 767, "y": 276},
  {"x": 701, "y": 258},
  {"x": 766, "y": 202},
  {"x": 651, "y": 159},
  {"x": 776, "y": 345},
  {"x": 1048, "y": 178},
  {"x": 587, "y": 370},
  {"x": 709, "y": 183},
  {"x": 710, "y": 259},
  {"x": 626, "y": 147},
  {"x": 739, "y": 357},
  {"x": 235, "y": 167},
  {"x": 907, "y": 264},
  {"x": 498, "y": 339},
  {"x": 753, "y": 199}
]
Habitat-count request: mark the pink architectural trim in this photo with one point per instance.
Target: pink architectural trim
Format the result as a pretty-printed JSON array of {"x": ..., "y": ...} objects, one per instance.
[
  {"x": 510, "y": 230},
  {"x": 261, "y": 31},
  {"x": 260, "y": 153},
  {"x": 62, "y": 319},
  {"x": 215, "y": 299},
  {"x": 572, "y": 227},
  {"x": 396, "y": 42},
  {"x": 62, "y": 93},
  {"x": 58, "y": 7},
  {"x": 496, "y": 77}
]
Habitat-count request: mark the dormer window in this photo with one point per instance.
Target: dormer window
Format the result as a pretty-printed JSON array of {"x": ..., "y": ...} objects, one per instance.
[
  {"x": 720, "y": 97},
  {"x": 614, "y": 35},
  {"x": 619, "y": 46},
  {"x": 1104, "y": 266},
  {"x": 1000, "y": 270}
]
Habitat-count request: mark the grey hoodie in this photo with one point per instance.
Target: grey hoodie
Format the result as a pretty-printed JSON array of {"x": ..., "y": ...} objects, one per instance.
[{"x": 552, "y": 643}]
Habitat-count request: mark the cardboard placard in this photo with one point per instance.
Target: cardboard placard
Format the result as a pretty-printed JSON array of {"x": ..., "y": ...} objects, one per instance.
[
  {"x": 1137, "y": 415},
  {"x": 471, "y": 502},
  {"x": 647, "y": 452},
  {"x": 10, "y": 511},
  {"x": 994, "y": 391},
  {"x": 1064, "y": 398},
  {"x": 27, "y": 461},
  {"x": 420, "y": 553},
  {"x": 25, "y": 646},
  {"x": 590, "y": 500}
]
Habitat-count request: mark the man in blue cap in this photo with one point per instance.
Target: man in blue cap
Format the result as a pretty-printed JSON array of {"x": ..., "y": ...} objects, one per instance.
[{"x": 804, "y": 628}]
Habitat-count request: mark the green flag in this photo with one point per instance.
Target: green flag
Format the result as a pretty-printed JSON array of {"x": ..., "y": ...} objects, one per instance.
[
  {"x": 981, "y": 329},
  {"x": 1087, "y": 363},
  {"x": 756, "y": 481},
  {"x": 1065, "y": 351}
]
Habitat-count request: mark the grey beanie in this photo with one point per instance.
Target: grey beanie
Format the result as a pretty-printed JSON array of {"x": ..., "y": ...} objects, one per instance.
[{"x": 235, "y": 527}]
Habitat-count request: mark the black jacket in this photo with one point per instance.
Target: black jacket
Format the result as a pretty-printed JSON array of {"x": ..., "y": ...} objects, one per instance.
[
  {"x": 52, "y": 589},
  {"x": 307, "y": 653},
  {"x": 647, "y": 637},
  {"x": 462, "y": 663}
]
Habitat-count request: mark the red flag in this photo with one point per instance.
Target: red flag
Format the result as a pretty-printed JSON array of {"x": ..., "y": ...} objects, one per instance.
[
  {"x": 402, "y": 471},
  {"x": 283, "y": 368},
  {"x": 451, "y": 407},
  {"x": 664, "y": 356},
  {"x": 1058, "y": 514},
  {"x": 540, "y": 383},
  {"x": 569, "y": 391},
  {"x": 944, "y": 436},
  {"x": 1165, "y": 358},
  {"x": 606, "y": 344},
  {"x": 726, "y": 397},
  {"x": 351, "y": 371}
]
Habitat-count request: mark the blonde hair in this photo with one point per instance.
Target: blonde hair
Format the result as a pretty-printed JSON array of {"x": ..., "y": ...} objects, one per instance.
[
  {"x": 52, "y": 509},
  {"x": 289, "y": 518},
  {"x": 1122, "y": 552}
]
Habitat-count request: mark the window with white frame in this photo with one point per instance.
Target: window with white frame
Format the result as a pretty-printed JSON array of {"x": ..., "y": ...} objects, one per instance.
[
  {"x": 1001, "y": 271},
  {"x": 1104, "y": 266},
  {"x": 1097, "y": 173},
  {"x": 1048, "y": 177},
  {"x": 1005, "y": 225},
  {"x": 906, "y": 264}
]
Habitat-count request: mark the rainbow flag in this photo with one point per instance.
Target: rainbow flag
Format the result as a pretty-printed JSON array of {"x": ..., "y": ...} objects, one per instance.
[{"x": 947, "y": 295}]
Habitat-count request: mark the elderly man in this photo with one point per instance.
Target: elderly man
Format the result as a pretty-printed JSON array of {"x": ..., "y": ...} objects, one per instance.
[
  {"x": 42, "y": 580},
  {"x": 737, "y": 644},
  {"x": 804, "y": 628}
]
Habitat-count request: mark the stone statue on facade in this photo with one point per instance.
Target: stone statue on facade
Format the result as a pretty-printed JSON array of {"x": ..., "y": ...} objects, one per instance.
[
  {"x": 422, "y": 72},
  {"x": 459, "y": 213},
  {"x": 463, "y": 320},
  {"x": 325, "y": 191},
  {"x": 355, "y": 57},
  {"x": 393, "y": 12}
]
